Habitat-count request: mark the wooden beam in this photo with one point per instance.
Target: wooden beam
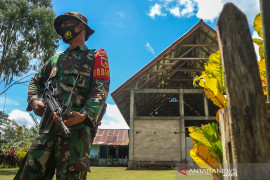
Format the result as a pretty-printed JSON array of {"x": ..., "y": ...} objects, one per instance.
[
  {"x": 186, "y": 79},
  {"x": 185, "y": 53},
  {"x": 207, "y": 37},
  {"x": 193, "y": 91},
  {"x": 206, "y": 34},
  {"x": 188, "y": 69},
  {"x": 192, "y": 109},
  {"x": 171, "y": 86},
  {"x": 148, "y": 80},
  {"x": 178, "y": 67},
  {"x": 173, "y": 91},
  {"x": 168, "y": 67},
  {"x": 181, "y": 70},
  {"x": 152, "y": 102},
  {"x": 198, "y": 45},
  {"x": 170, "y": 72},
  {"x": 176, "y": 91},
  {"x": 136, "y": 85},
  {"x": 188, "y": 59},
  {"x": 208, "y": 51},
  {"x": 165, "y": 64},
  {"x": 186, "y": 118}
]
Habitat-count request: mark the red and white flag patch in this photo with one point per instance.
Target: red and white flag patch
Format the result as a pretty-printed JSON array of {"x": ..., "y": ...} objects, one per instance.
[{"x": 101, "y": 66}]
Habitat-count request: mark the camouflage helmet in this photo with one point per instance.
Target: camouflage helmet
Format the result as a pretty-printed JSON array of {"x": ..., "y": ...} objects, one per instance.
[{"x": 72, "y": 15}]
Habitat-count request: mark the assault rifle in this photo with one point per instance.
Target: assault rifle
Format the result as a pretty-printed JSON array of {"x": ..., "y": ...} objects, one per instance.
[{"x": 52, "y": 105}]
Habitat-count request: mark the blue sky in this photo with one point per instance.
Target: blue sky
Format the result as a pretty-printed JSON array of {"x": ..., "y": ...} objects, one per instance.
[{"x": 133, "y": 32}]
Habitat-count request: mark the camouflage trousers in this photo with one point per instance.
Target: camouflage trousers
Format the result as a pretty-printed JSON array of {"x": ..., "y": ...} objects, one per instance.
[{"x": 53, "y": 150}]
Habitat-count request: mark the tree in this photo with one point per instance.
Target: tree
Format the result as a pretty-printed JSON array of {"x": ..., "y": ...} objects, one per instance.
[
  {"x": 7, "y": 129},
  {"x": 15, "y": 140},
  {"x": 26, "y": 33},
  {"x": 11, "y": 134}
]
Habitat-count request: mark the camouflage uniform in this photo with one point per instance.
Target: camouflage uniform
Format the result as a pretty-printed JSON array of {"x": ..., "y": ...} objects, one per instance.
[{"x": 51, "y": 148}]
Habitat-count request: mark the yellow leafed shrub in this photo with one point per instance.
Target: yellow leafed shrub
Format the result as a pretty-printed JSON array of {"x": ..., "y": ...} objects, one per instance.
[
  {"x": 212, "y": 92},
  {"x": 258, "y": 27},
  {"x": 212, "y": 80},
  {"x": 200, "y": 154},
  {"x": 207, "y": 146}
]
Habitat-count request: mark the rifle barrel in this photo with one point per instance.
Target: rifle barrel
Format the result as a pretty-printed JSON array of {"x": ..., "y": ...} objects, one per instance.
[{"x": 66, "y": 130}]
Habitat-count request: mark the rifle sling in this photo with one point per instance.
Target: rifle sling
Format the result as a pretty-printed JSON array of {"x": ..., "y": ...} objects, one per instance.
[{"x": 84, "y": 56}]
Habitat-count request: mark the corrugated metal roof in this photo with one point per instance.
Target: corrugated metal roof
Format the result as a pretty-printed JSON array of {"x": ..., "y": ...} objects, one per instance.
[{"x": 111, "y": 137}]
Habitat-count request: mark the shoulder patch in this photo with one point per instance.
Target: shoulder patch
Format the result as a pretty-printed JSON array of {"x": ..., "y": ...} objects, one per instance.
[{"x": 101, "y": 65}]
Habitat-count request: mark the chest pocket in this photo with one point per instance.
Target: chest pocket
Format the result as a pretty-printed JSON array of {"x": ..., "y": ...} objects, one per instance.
[
  {"x": 84, "y": 78},
  {"x": 69, "y": 77},
  {"x": 68, "y": 71}
]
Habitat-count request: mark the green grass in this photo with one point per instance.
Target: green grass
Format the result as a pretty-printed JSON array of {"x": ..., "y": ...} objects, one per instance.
[
  {"x": 8, "y": 173},
  {"x": 120, "y": 173}
]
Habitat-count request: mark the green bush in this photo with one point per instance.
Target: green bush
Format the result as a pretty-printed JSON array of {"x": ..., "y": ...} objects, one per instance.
[{"x": 20, "y": 155}]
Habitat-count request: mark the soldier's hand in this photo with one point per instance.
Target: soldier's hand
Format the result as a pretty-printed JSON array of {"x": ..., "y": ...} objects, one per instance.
[
  {"x": 37, "y": 107},
  {"x": 55, "y": 118},
  {"x": 75, "y": 118}
]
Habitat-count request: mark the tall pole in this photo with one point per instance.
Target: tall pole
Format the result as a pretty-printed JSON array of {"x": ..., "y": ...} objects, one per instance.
[{"x": 265, "y": 15}]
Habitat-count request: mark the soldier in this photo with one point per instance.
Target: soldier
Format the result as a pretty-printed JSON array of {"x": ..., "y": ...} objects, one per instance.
[{"x": 51, "y": 148}]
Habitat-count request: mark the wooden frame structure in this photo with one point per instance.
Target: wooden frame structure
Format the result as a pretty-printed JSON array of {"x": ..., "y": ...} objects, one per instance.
[{"x": 163, "y": 93}]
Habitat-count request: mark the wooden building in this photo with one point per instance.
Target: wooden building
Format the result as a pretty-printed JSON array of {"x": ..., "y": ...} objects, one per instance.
[
  {"x": 159, "y": 102},
  {"x": 110, "y": 148}
]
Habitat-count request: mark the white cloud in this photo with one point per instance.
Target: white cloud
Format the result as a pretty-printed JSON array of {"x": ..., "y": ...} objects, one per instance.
[
  {"x": 188, "y": 7},
  {"x": 256, "y": 47},
  {"x": 21, "y": 118},
  {"x": 149, "y": 48},
  {"x": 175, "y": 11},
  {"x": 207, "y": 10},
  {"x": 113, "y": 119},
  {"x": 156, "y": 11},
  {"x": 8, "y": 102},
  {"x": 250, "y": 7}
]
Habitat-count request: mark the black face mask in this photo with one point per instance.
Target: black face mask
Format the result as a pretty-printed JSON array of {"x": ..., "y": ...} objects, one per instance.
[{"x": 68, "y": 32}]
